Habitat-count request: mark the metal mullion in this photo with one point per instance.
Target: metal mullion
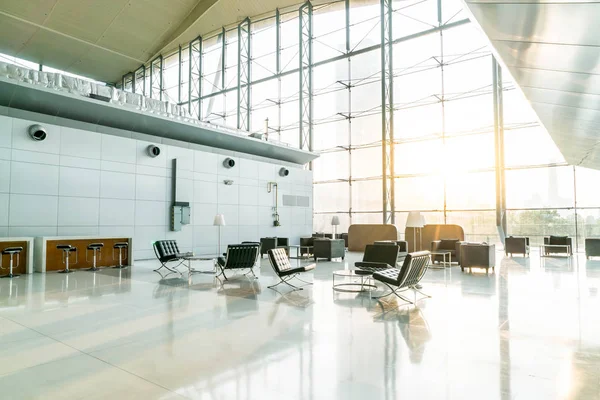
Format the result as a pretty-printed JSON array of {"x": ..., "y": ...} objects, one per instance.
[
  {"x": 387, "y": 112},
  {"x": 179, "y": 77},
  {"x": 243, "y": 70},
  {"x": 305, "y": 77}
]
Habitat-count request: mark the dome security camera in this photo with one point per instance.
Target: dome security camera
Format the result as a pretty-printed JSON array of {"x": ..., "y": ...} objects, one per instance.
[
  {"x": 37, "y": 132},
  {"x": 284, "y": 172},
  {"x": 229, "y": 163},
  {"x": 153, "y": 151}
]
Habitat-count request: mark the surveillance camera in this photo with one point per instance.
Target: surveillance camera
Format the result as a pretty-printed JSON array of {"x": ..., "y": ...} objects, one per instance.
[
  {"x": 229, "y": 163},
  {"x": 284, "y": 172},
  {"x": 153, "y": 151},
  {"x": 37, "y": 132}
]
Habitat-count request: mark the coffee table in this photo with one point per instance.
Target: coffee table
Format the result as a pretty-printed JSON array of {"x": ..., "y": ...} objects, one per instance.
[
  {"x": 558, "y": 246},
  {"x": 358, "y": 282},
  {"x": 444, "y": 254},
  {"x": 202, "y": 258}
]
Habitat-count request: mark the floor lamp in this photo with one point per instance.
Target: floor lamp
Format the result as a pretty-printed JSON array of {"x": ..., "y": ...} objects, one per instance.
[
  {"x": 335, "y": 221},
  {"x": 219, "y": 221},
  {"x": 414, "y": 220}
]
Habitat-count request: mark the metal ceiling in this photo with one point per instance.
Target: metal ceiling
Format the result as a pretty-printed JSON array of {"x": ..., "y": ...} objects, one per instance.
[
  {"x": 105, "y": 39},
  {"x": 552, "y": 50}
]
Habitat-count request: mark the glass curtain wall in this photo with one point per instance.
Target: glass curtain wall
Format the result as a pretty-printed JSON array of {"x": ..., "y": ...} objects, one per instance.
[{"x": 443, "y": 116}]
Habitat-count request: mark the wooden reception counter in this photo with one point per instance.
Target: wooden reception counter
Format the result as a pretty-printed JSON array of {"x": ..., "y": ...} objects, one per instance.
[
  {"x": 49, "y": 258},
  {"x": 25, "y": 258}
]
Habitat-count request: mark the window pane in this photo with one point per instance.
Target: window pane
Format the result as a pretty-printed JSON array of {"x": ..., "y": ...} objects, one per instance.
[
  {"x": 419, "y": 193},
  {"x": 540, "y": 188},
  {"x": 587, "y": 187},
  {"x": 333, "y": 197},
  {"x": 367, "y": 195},
  {"x": 519, "y": 143},
  {"x": 479, "y": 226},
  {"x": 331, "y": 166},
  {"x": 471, "y": 191},
  {"x": 539, "y": 223},
  {"x": 366, "y": 163}
]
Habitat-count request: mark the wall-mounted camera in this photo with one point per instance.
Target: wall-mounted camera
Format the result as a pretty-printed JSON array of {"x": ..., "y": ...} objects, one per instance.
[
  {"x": 284, "y": 172},
  {"x": 37, "y": 132},
  {"x": 229, "y": 163},
  {"x": 153, "y": 151}
]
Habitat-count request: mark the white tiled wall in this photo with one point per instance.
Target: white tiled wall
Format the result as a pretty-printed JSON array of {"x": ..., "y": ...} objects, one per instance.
[{"x": 79, "y": 182}]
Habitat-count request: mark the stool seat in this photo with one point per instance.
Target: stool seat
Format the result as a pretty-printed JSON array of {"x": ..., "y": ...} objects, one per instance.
[
  {"x": 121, "y": 245},
  {"x": 12, "y": 250},
  {"x": 93, "y": 246},
  {"x": 66, "y": 247}
]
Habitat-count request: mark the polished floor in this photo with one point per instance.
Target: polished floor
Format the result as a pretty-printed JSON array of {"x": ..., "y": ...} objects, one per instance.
[{"x": 531, "y": 330}]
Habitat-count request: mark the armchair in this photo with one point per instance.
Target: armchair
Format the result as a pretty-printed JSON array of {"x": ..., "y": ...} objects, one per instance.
[
  {"x": 516, "y": 245},
  {"x": 558, "y": 241},
  {"x": 329, "y": 248},
  {"x": 592, "y": 248},
  {"x": 478, "y": 255},
  {"x": 284, "y": 270},
  {"x": 269, "y": 243},
  {"x": 451, "y": 246}
]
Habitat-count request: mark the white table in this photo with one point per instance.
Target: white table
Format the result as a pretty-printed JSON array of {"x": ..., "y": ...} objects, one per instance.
[
  {"x": 444, "y": 254},
  {"x": 558, "y": 246}
]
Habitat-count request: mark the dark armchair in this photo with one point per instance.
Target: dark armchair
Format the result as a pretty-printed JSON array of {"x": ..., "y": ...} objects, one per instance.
[
  {"x": 592, "y": 248},
  {"x": 516, "y": 245},
  {"x": 329, "y": 249},
  {"x": 451, "y": 246},
  {"x": 269, "y": 243},
  {"x": 239, "y": 257},
  {"x": 284, "y": 269},
  {"x": 562, "y": 242},
  {"x": 477, "y": 255}
]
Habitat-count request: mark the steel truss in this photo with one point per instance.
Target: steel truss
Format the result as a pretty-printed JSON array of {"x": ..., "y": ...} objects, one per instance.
[
  {"x": 156, "y": 78},
  {"x": 306, "y": 78},
  {"x": 499, "y": 150},
  {"x": 243, "y": 89},
  {"x": 195, "y": 77},
  {"x": 139, "y": 81},
  {"x": 387, "y": 112},
  {"x": 127, "y": 82}
]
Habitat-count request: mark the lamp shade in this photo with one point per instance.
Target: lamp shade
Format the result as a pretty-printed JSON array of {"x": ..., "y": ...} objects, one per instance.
[
  {"x": 219, "y": 220},
  {"x": 335, "y": 220},
  {"x": 415, "y": 220}
]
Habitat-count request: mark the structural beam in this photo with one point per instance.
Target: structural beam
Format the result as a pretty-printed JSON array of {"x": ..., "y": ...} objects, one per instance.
[
  {"x": 243, "y": 90},
  {"x": 387, "y": 112},
  {"x": 306, "y": 78},
  {"x": 195, "y": 77},
  {"x": 156, "y": 77},
  {"x": 499, "y": 150},
  {"x": 139, "y": 81}
]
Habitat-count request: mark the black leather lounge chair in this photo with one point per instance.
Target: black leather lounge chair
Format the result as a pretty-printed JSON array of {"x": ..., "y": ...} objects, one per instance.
[
  {"x": 407, "y": 277},
  {"x": 239, "y": 256},
  {"x": 284, "y": 270},
  {"x": 377, "y": 258},
  {"x": 167, "y": 251}
]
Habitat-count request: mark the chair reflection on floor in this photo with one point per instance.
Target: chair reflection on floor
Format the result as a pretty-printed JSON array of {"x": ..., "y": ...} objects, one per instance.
[{"x": 241, "y": 295}]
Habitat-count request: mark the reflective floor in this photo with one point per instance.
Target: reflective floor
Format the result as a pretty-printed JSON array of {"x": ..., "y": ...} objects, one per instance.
[{"x": 531, "y": 330}]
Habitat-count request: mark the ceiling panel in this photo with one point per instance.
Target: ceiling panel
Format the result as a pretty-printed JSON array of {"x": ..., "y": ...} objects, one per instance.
[
  {"x": 553, "y": 53},
  {"x": 84, "y": 19},
  {"x": 14, "y": 35},
  {"x": 49, "y": 48},
  {"x": 557, "y": 80},
  {"x": 548, "y": 23},
  {"x": 35, "y": 11},
  {"x": 103, "y": 64},
  {"x": 554, "y": 57},
  {"x": 558, "y": 97}
]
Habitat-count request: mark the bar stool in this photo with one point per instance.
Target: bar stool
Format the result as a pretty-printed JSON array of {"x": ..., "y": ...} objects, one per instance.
[
  {"x": 119, "y": 246},
  {"x": 67, "y": 249},
  {"x": 95, "y": 248},
  {"x": 11, "y": 251}
]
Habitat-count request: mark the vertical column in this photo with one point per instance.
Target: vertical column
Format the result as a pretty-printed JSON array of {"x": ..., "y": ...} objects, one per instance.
[
  {"x": 243, "y": 90},
  {"x": 442, "y": 99},
  {"x": 180, "y": 61},
  {"x": 499, "y": 150},
  {"x": 278, "y": 68},
  {"x": 139, "y": 81},
  {"x": 387, "y": 112},
  {"x": 348, "y": 49},
  {"x": 195, "y": 77},
  {"x": 305, "y": 56},
  {"x": 156, "y": 75}
]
